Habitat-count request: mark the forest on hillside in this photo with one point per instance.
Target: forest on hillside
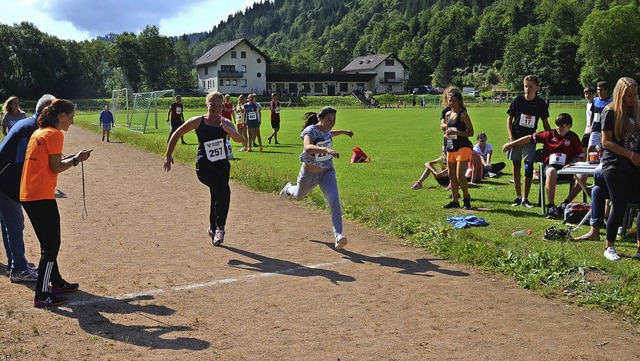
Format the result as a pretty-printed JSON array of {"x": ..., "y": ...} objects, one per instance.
[{"x": 567, "y": 43}]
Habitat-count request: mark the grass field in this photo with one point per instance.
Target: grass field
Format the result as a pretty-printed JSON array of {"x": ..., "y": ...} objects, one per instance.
[{"x": 378, "y": 194}]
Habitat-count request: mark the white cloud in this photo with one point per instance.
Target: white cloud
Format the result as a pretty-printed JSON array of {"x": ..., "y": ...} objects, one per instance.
[{"x": 82, "y": 19}]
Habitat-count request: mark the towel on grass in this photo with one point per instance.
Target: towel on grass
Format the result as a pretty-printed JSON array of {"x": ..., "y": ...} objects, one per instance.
[{"x": 467, "y": 221}]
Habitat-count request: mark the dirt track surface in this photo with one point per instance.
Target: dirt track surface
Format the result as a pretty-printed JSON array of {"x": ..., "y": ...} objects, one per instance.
[{"x": 153, "y": 288}]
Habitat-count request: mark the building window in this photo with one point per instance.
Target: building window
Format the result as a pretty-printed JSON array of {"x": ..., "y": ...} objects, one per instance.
[
  {"x": 389, "y": 75},
  {"x": 243, "y": 83},
  {"x": 259, "y": 60},
  {"x": 389, "y": 62},
  {"x": 234, "y": 82},
  {"x": 233, "y": 55},
  {"x": 221, "y": 82},
  {"x": 344, "y": 87},
  {"x": 204, "y": 85},
  {"x": 227, "y": 82},
  {"x": 317, "y": 87},
  {"x": 228, "y": 68},
  {"x": 243, "y": 54},
  {"x": 259, "y": 75},
  {"x": 206, "y": 70},
  {"x": 243, "y": 68}
]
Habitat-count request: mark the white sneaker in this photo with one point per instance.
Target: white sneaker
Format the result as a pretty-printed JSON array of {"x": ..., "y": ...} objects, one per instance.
[
  {"x": 218, "y": 237},
  {"x": 610, "y": 254},
  {"x": 283, "y": 192},
  {"x": 341, "y": 241}
]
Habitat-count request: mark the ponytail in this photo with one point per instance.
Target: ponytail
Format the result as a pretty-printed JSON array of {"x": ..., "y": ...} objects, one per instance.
[
  {"x": 50, "y": 114},
  {"x": 311, "y": 118}
]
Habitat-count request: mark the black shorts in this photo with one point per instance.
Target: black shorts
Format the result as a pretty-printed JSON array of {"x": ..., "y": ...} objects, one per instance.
[{"x": 561, "y": 177}]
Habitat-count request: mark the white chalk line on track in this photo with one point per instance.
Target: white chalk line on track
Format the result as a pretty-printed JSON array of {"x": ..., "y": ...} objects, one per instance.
[{"x": 99, "y": 299}]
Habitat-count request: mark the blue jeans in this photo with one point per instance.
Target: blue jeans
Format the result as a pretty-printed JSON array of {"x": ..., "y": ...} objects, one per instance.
[
  {"x": 12, "y": 224},
  {"x": 599, "y": 196},
  {"x": 329, "y": 186}
]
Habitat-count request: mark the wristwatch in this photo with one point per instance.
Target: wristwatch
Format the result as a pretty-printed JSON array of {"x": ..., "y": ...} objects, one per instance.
[{"x": 75, "y": 161}]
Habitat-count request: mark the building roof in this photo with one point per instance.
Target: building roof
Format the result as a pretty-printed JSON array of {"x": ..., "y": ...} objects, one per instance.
[
  {"x": 318, "y": 77},
  {"x": 219, "y": 50},
  {"x": 369, "y": 62}
]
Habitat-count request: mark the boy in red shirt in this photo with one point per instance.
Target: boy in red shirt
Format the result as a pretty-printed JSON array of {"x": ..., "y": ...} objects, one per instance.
[{"x": 561, "y": 148}]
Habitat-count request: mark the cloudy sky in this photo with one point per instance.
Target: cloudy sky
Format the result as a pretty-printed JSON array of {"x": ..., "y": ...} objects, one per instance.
[{"x": 86, "y": 19}]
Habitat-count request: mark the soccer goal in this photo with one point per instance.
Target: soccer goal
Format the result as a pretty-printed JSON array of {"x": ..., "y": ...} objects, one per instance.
[
  {"x": 145, "y": 105},
  {"x": 120, "y": 106}
]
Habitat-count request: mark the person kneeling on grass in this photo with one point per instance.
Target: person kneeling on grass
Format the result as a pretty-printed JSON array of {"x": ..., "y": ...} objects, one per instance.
[
  {"x": 561, "y": 148},
  {"x": 317, "y": 166}
]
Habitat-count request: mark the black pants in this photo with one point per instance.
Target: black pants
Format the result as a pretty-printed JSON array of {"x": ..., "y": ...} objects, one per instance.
[
  {"x": 621, "y": 183},
  {"x": 216, "y": 177},
  {"x": 45, "y": 219}
]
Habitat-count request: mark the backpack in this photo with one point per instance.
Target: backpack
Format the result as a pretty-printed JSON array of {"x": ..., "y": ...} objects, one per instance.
[
  {"x": 359, "y": 156},
  {"x": 575, "y": 212}
]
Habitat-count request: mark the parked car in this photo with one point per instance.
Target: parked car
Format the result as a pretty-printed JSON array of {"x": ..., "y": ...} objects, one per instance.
[
  {"x": 475, "y": 93},
  {"x": 424, "y": 89}
]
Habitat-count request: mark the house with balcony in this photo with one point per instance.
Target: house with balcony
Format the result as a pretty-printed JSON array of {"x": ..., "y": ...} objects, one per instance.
[
  {"x": 234, "y": 67},
  {"x": 389, "y": 72}
]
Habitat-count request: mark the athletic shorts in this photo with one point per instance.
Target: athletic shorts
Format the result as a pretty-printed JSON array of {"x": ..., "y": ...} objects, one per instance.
[
  {"x": 563, "y": 177},
  {"x": 253, "y": 125},
  {"x": 595, "y": 139},
  {"x": 460, "y": 155},
  {"x": 275, "y": 124},
  {"x": 175, "y": 124},
  {"x": 526, "y": 151},
  {"x": 106, "y": 127}
]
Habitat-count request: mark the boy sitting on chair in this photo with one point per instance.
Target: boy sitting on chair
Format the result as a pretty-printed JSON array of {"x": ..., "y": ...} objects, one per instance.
[{"x": 561, "y": 148}]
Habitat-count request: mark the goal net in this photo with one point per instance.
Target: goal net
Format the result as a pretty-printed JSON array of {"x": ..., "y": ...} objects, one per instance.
[
  {"x": 120, "y": 106},
  {"x": 145, "y": 106}
]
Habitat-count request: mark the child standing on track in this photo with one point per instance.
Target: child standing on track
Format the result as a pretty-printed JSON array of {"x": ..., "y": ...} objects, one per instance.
[{"x": 317, "y": 166}]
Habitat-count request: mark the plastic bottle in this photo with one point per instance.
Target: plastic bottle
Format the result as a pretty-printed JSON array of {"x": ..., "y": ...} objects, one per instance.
[{"x": 522, "y": 232}]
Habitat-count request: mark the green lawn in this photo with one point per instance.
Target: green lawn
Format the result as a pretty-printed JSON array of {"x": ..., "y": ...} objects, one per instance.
[{"x": 378, "y": 194}]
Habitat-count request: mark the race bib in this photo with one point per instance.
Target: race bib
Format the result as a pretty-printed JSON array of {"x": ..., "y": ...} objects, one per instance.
[
  {"x": 326, "y": 144},
  {"x": 178, "y": 110},
  {"x": 239, "y": 117},
  {"x": 252, "y": 116},
  {"x": 557, "y": 159},
  {"x": 215, "y": 149},
  {"x": 276, "y": 110},
  {"x": 527, "y": 121},
  {"x": 449, "y": 144}
]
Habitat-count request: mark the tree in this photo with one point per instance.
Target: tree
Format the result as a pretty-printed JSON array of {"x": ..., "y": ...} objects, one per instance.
[
  {"x": 610, "y": 45},
  {"x": 520, "y": 58},
  {"x": 156, "y": 55},
  {"x": 126, "y": 55}
]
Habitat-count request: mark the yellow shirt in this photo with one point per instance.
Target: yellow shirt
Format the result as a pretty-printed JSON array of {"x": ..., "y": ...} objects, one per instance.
[{"x": 38, "y": 180}]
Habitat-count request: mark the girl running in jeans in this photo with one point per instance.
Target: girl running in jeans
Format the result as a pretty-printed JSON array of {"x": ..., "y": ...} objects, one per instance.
[
  {"x": 317, "y": 166},
  {"x": 43, "y": 162},
  {"x": 212, "y": 164}
]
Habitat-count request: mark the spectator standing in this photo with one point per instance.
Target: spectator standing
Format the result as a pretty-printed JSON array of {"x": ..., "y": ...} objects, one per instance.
[
  {"x": 176, "y": 116},
  {"x": 106, "y": 122},
  {"x": 588, "y": 96},
  {"x": 599, "y": 103},
  {"x": 621, "y": 156},
  {"x": 524, "y": 113},
  {"x": 43, "y": 161},
  {"x": 12, "y": 113},
  {"x": 274, "y": 105},
  {"x": 12, "y": 154}
]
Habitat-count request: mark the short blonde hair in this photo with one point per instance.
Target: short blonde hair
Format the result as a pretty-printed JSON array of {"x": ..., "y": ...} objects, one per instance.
[{"x": 213, "y": 96}]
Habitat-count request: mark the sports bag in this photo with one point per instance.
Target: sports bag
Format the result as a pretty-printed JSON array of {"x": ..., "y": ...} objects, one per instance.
[
  {"x": 575, "y": 212},
  {"x": 359, "y": 156}
]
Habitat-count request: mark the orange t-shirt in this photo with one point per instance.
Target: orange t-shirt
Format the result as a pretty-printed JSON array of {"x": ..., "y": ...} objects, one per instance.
[{"x": 38, "y": 180}]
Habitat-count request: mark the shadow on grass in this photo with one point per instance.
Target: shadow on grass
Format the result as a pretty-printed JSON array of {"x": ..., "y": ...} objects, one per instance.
[
  {"x": 266, "y": 264},
  {"x": 419, "y": 267},
  {"x": 89, "y": 312}
]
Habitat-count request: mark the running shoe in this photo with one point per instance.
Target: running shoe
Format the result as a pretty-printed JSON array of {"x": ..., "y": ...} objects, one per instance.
[
  {"x": 65, "y": 287},
  {"x": 416, "y": 186},
  {"x": 553, "y": 212},
  {"x": 467, "y": 203},
  {"x": 610, "y": 254},
  {"x": 26, "y": 275},
  {"x": 283, "y": 192},
  {"x": 451, "y": 204},
  {"x": 242, "y": 149},
  {"x": 48, "y": 300},
  {"x": 526, "y": 203},
  {"x": 341, "y": 241},
  {"x": 218, "y": 237},
  {"x": 516, "y": 202}
]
